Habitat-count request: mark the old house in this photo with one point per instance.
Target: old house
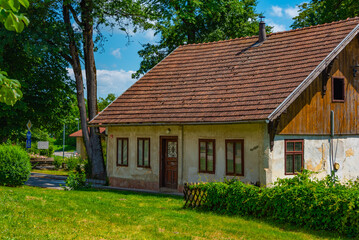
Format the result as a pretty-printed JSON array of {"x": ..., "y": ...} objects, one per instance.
[{"x": 256, "y": 108}]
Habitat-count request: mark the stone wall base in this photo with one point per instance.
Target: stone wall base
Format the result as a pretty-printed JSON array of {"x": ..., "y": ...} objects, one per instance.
[
  {"x": 138, "y": 184},
  {"x": 132, "y": 183}
]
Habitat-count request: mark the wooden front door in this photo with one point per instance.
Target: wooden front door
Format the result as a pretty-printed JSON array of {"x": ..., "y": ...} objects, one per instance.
[{"x": 169, "y": 162}]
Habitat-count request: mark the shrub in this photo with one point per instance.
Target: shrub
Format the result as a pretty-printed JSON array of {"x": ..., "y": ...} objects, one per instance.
[
  {"x": 317, "y": 204},
  {"x": 58, "y": 162},
  {"x": 72, "y": 163},
  {"x": 15, "y": 165},
  {"x": 76, "y": 181},
  {"x": 51, "y": 151}
]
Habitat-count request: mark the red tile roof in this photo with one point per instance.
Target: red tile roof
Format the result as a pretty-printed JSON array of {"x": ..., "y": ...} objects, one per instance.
[
  {"x": 79, "y": 132},
  {"x": 226, "y": 81}
]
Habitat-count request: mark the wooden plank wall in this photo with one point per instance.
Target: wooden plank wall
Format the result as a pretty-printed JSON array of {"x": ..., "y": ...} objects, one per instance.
[{"x": 310, "y": 113}]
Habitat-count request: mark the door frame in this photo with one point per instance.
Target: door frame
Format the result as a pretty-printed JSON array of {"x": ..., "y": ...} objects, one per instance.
[{"x": 162, "y": 158}]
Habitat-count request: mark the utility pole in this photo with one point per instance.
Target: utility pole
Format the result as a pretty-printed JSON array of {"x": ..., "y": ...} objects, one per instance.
[{"x": 63, "y": 143}]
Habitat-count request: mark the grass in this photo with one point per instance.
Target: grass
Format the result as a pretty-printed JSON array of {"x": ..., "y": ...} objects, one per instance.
[
  {"x": 34, "y": 213},
  {"x": 52, "y": 172}
]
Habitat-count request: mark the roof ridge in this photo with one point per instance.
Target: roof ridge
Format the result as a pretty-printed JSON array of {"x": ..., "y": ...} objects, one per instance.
[
  {"x": 317, "y": 26},
  {"x": 256, "y": 36}
]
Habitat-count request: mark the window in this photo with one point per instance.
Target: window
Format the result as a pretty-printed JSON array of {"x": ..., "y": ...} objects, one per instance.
[
  {"x": 122, "y": 151},
  {"x": 338, "y": 93},
  {"x": 207, "y": 156},
  {"x": 234, "y": 157},
  {"x": 293, "y": 156},
  {"x": 143, "y": 152}
]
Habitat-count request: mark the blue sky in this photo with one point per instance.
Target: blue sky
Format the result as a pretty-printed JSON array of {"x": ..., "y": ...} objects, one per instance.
[{"x": 119, "y": 58}]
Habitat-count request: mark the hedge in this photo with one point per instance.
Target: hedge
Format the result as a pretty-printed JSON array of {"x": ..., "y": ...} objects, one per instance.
[
  {"x": 15, "y": 165},
  {"x": 316, "y": 204}
]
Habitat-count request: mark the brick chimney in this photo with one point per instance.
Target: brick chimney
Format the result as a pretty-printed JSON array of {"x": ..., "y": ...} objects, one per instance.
[{"x": 262, "y": 30}]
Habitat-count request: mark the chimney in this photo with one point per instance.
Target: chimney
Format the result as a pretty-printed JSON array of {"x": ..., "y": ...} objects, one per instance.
[{"x": 262, "y": 30}]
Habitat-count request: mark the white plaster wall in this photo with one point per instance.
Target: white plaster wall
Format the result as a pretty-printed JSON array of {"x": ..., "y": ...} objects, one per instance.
[
  {"x": 317, "y": 156},
  {"x": 252, "y": 134},
  {"x": 188, "y": 136},
  {"x": 132, "y": 133}
]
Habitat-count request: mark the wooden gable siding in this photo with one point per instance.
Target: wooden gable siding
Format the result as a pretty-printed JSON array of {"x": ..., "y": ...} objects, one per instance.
[{"x": 310, "y": 113}]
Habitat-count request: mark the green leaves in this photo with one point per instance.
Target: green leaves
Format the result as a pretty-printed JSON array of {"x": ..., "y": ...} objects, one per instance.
[
  {"x": 196, "y": 21},
  {"x": 9, "y": 89},
  {"x": 10, "y": 16},
  {"x": 325, "y": 11},
  {"x": 300, "y": 201}
]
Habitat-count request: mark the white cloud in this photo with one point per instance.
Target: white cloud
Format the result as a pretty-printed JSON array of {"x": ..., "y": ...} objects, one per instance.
[
  {"x": 292, "y": 11},
  {"x": 150, "y": 35},
  {"x": 277, "y": 11},
  {"x": 116, "y": 53},
  {"x": 110, "y": 81},
  {"x": 276, "y": 27}
]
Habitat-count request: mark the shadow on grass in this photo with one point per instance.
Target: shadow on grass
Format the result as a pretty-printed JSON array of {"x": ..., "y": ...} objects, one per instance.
[
  {"x": 134, "y": 193},
  {"x": 320, "y": 234}
]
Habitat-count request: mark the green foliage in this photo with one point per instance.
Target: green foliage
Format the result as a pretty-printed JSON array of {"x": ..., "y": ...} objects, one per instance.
[
  {"x": 13, "y": 20},
  {"x": 14, "y": 165},
  {"x": 316, "y": 204},
  {"x": 10, "y": 14},
  {"x": 198, "y": 21},
  {"x": 58, "y": 162},
  {"x": 325, "y": 11},
  {"x": 9, "y": 89},
  {"x": 75, "y": 163},
  {"x": 48, "y": 91},
  {"x": 76, "y": 181},
  {"x": 104, "y": 102}
]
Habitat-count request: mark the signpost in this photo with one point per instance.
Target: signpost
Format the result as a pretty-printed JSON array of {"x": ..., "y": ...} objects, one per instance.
[{"x": 28, "y": 134}]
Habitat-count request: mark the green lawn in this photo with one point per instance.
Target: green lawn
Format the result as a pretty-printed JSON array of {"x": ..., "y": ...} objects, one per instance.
[
  {"x": 52, "y": 172},
  {"x": 68, "y": 148},
  {"x": 34, "y": 213}
]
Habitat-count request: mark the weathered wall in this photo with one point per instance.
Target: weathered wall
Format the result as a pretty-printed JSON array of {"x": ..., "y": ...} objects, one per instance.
[
  {"x": 188, "y": 136},
  {"x": 317, "y": 156},
  {"x": 80, "y": 147},
  {"x": 133, "y": 176},
  {"x": 310, "y": 113},
  {"x": 252, "y": 134}
]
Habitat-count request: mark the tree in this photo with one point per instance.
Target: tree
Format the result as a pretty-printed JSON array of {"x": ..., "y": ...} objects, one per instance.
[
  {"x": 104, "y": 102},
  {"x": 13, "y": 20},
  {"x": 90, "y": 15},
  {"x": 325, "y": 11},
  {"x": 188, "y": 21},
  {"x": 42, "y": 73}
]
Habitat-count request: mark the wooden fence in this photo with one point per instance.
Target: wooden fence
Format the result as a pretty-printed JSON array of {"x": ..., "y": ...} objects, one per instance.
[{"x": 193, "y": 196}]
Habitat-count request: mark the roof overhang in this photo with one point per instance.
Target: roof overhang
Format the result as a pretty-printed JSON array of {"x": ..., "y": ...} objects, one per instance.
[
  {"x": 177, "y": 123},
  {"x": 313, "y": 75}
]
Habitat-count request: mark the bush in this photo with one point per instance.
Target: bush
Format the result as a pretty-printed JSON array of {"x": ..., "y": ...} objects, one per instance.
[
  {"x": 317, "y": 204},
  {"x": 58, "y": 162},
  {"x": 51, "y": 151},
  {"x": 73, "y": 163},
  {"x": 76, "y": 181},
  {"x": 15, "y": 165}
]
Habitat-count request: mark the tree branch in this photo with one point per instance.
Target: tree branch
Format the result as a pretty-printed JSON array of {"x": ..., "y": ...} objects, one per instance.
[{"x": 73, "y": 12}]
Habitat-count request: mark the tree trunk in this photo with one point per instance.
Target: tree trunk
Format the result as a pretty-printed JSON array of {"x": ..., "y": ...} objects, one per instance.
[
  {"x": 97, "y": 161},
  {"x": 91, "y": 140}
]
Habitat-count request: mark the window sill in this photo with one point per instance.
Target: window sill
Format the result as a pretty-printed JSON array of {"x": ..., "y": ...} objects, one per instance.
[{"x": 207, "y": 172}]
